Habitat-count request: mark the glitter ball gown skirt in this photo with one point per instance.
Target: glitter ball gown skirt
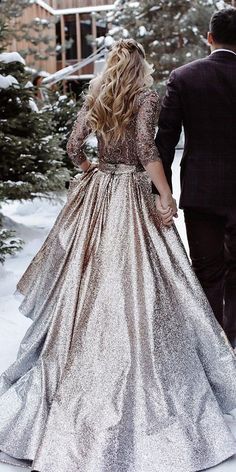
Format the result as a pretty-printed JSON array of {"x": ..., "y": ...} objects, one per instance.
[{"x": 124, "y": 368}]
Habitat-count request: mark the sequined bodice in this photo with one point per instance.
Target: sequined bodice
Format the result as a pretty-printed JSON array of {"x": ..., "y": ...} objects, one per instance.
[{"x": 136, "y": 146}]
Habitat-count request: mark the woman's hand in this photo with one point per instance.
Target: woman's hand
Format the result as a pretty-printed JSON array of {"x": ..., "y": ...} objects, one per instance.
[{"x": 167, "y": 208}]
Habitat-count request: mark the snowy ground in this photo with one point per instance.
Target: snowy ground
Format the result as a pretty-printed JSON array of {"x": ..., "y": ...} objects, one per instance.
[{"x": 33, "y": 221}]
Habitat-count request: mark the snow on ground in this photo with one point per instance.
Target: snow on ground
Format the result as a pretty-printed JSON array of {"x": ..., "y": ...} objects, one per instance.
[{"x": 32, "y": 220}]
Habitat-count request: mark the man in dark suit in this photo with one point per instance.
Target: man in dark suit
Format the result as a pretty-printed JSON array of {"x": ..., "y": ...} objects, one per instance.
[{"x": 201, "y": 96}]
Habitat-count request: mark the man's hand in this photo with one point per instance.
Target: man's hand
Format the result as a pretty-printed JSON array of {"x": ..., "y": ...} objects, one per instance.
[{"x": 167, "y": 209}]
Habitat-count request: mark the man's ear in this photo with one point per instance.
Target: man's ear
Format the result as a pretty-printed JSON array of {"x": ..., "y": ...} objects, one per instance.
[{"x": 210, "y": 38}]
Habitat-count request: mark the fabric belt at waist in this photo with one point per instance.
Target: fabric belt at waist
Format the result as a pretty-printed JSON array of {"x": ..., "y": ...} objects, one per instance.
[{"x": 119, "y": 168}]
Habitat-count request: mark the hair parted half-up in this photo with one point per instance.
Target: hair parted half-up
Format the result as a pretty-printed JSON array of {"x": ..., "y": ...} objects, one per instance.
[{"x": 111, "y": 96}]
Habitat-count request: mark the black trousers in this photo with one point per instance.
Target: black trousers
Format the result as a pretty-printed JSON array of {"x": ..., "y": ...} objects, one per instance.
[{"x": 212, "y": 243}]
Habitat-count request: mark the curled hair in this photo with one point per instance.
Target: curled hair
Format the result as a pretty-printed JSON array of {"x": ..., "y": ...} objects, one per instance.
[{"x": 111, "y": 97}]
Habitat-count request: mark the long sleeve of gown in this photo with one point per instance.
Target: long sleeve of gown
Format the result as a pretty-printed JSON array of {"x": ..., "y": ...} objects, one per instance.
[
  {"x": 146, "y": 126},
  {"x": 79, "y": 134}
]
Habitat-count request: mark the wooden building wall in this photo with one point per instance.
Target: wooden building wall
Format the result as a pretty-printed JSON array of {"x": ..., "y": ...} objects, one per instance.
[
  {"x": 36, "y": 11},
  {"x": 59, "y": 32},
  {"x": 58, "y": 4}
]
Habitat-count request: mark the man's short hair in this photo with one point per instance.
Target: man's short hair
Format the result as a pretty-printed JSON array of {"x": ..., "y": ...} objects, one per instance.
[{"x": 223, "y": 26}]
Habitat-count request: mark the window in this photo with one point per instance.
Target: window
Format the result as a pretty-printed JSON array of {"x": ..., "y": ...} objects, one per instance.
[
  {"x": 58, "y": 39},
  {"x": 70, "y": 37},
  {"x": 101, "y": 24},
  {"x": 86, "y": 34}
]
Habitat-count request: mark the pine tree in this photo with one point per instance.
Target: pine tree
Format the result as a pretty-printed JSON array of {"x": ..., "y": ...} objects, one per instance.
[
  {"x": 64, "y": 109},
  {"x": 31, "y": 154},
  {"x": 8, "y": 243},
  {"x": 172, "y": 32}
]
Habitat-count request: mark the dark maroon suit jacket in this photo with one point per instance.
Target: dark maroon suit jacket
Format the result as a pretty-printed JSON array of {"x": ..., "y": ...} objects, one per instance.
[{"x": 201, "y": 96}]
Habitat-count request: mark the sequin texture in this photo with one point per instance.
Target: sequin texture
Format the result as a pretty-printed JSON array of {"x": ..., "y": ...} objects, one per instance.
[
  {"x": 124, "y": 368},
  {"x": 137, "y": 147}
]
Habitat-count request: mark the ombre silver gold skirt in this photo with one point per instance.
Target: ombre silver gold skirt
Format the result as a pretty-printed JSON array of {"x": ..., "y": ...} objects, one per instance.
[{"x": 124, "y": 367}]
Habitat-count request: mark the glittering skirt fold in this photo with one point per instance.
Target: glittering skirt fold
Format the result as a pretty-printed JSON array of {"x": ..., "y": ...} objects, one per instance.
[{"x": 124, "y": 367}]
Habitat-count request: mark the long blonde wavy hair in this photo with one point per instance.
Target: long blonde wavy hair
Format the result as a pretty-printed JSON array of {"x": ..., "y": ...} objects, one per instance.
[{"x": 111, "y": 96}]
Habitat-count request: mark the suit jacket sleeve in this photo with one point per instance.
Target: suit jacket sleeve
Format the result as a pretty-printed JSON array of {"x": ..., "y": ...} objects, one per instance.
[{"x": 169, "y": 127}]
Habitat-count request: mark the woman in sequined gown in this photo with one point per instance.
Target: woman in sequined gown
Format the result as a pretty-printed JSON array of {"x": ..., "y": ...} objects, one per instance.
[{"x": 124, "y": 367}]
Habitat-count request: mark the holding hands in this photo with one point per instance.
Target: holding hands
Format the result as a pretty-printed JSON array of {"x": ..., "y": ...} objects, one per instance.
[
  {"x": 165, "y": 203},
  {"x": 167, "y": 209}
]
